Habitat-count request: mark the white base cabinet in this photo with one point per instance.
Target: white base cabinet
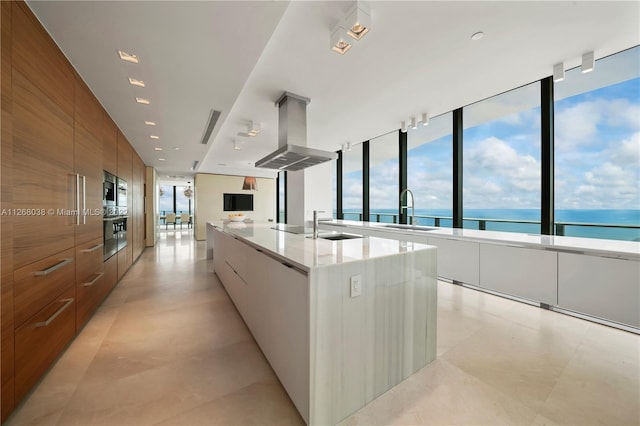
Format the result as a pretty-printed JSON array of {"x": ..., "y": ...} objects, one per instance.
[
  {"x": 603, "y": 287},
  {"x": 527, "y": 273},
  {"x": 458, "y": 260}
]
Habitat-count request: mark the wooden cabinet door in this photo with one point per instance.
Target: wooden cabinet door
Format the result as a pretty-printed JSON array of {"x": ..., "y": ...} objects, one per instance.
[
  {"x": 90, "y": 280},
  {"x": 44, "y": 183},
  {"x": 109, "y": 145},
  {"x": 88, "y": 163}
]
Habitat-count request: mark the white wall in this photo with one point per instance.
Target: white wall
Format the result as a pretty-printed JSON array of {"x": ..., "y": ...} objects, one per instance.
[
  {"x": 308, "y": 190},
  {"x": 208, "y": 196},
  {"x": 151, "y": 206}
]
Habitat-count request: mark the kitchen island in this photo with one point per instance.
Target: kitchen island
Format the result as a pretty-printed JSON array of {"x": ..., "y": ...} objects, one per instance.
[{"x": 340, "y": 322}]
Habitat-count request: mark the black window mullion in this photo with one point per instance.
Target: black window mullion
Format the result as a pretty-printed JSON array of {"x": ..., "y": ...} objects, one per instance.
[
  {"x": 546, "y": 155},
  {"x": 402, "y": 178},
  {"x": 365, "y": 181},
  {"x": 339, "y": 212},
  {"x": 457, "y": 168}
]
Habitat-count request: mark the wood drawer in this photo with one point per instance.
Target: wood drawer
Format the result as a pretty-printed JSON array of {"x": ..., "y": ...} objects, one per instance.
[
  {"x": 111, "y": 272},
  {"x": 90, "y": 280},
  {"x": 38, "y": 284},
  {"x": 39, "y": 341}
]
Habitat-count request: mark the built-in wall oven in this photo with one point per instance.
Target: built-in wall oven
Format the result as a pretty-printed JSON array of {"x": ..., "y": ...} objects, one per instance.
[{"x": 115, "y": 214}]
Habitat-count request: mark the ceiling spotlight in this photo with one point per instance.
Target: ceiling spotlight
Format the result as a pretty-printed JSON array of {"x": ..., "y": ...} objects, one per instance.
[
  {"x": 127, "y": 57},
  {"x": 425, "y": 119},
  {"x": 149, "y": 123},
  {"x": 175, "y": 148},
  {"x": 558, "y": 72},
  {"x": 143, "y": 101},
  {"x": 161, "y": 159},
  {"x": 154, "y": 137},
  {"x": 403, "y": 126},
  {"x": 358, "y": 20},
  {"x": 477, "y": 36},
  {"x": 348, "y": 146},
  {"x": 253, "y": 129},
  {"x": 157, "y": 149},
  {"x": 588, "y": 62},
  {"x": 413, "y": 124},
  {"x": 134, "y": 82},
  {"x": 339, "y": 42},
  {"x": 236, "y": 145}
]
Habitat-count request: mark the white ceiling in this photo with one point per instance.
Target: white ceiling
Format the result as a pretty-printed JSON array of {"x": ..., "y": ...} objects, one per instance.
[{"x": 238, "y": 57}]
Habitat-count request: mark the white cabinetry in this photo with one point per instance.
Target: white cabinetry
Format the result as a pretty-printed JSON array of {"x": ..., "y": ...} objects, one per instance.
[
  {"x": 602, "y": 287},
  {"x": 273, "y": 301},
  {"x": 457, "y": 260},
  {"x": 527, "y": 273}
]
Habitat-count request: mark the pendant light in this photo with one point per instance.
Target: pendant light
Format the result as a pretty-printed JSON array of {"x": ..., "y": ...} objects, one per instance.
[{"x": 250, "y": 184}]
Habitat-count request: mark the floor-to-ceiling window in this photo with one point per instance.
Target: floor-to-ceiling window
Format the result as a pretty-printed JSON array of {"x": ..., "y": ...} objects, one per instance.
[
  {"x": 597, "y": 149},
  {"x": 383, "y": 178},
  {"x": 334, "y": 188},
  {"x": 166, "y": 199},
  {"x": 352, "y": 183},
  {"x": 501, "y": 162},
  {"x": 429, "y": 172},
  {"x": 183, "y": 203}
]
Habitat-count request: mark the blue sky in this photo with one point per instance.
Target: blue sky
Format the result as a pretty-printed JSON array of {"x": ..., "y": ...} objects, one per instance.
[{"x": 597, "y": 157}]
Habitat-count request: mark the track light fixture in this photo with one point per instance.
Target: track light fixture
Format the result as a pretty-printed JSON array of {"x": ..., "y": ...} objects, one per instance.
[
  {"x": 253, "y": 129},
  {"x": 588, "y": 62},
  {"x": 425, "y": 119},
  {"x": 358, "y": 20},
  {"x": 558, "y": 72},
  {"x": 339, "y": 42},
  {"x": 413, "y": 124},
  {"x": 403, "y": 126}
]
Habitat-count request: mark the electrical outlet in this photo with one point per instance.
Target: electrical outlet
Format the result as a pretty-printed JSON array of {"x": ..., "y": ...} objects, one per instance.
[{"x": 356, "y": 285}]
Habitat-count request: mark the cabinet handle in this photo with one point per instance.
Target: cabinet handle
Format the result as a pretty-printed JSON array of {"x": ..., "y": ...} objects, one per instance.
[
  {"x": 93, "y": 281},
  {"x": 53, "y": 268},
  {"x": 77, "y": 199},
  {"x": 55, "y": 315},
  {"x": 84, "y": 200},
  {"x": 94, "y": 248}
]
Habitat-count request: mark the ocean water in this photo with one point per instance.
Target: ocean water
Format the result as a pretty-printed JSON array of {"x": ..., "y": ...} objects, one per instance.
[{"x": 581, "y": 218}]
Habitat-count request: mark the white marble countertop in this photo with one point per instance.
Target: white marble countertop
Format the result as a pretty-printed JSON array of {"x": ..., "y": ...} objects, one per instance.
[
  {"x": 608, "y": 248},
  {"x": 307, "y": 253}
]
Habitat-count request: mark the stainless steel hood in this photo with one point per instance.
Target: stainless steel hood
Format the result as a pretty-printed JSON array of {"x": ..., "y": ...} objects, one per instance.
[{"x": 293, "y": 154}]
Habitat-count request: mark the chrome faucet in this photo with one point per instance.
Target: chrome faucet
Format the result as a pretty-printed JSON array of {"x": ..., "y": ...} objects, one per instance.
[
  {"x": 315, "y": 223},
  {"x": 413, "y": 204}
]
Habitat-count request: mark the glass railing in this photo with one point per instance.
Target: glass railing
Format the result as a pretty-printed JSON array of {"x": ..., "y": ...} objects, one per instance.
[{"x": 607, "y": 231}]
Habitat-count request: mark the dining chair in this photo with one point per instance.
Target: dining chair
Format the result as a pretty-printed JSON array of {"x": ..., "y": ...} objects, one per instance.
[
  {"x": 185, "y": 218},
  {"x": 171, "y": 218}
]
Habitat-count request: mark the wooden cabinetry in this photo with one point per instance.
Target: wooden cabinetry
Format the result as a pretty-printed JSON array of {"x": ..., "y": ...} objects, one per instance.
[
  {"x": 56, "y": 142},
  {"x": 39, "y": 340},
  {"x": 87, "y": 156},
  {"x": 91, "y": 285},
  {"x": 109, "y": 145}
]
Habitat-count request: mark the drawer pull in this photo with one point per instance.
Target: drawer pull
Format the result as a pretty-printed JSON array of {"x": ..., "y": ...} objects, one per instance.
[
  {"x": 93, "y": 281},
  {"x": 55, "y": 315},
  {"x": 53, "y": 268},
  {"x": 94, "y": 248}
]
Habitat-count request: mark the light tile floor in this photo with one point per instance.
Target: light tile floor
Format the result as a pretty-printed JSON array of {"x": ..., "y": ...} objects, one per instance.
[{"x": 167, "y": 347}]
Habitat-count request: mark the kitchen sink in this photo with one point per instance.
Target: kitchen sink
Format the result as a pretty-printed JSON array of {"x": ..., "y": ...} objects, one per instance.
[
  {"x": 411, "y": 227},
  {"x": 338, "y": 237}
]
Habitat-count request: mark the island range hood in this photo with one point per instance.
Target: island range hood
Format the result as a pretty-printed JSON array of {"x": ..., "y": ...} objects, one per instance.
[{"x": 293, "y": 154}]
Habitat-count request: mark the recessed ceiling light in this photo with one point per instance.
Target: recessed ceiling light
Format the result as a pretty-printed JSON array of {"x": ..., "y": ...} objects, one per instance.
[
  {"x": 142, "y": 101},
  {"x": 128, "y": 57},
  {"x": 358, "y": 20},
  {"x": 135, "y": 82},
  {"x": 253, "y": 129},
  {"x": 161, "y": 159},
  {"x": 157, "y": 149},
  {"x": 176, "y": 148},
  {"x": 477, "y": 36},
  {"x": 154, "y": 137},
  {"x": 150, "y": 123}
]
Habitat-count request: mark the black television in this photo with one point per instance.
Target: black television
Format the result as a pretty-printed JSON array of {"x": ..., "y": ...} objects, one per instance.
[{"x": 238, "y": 202}]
